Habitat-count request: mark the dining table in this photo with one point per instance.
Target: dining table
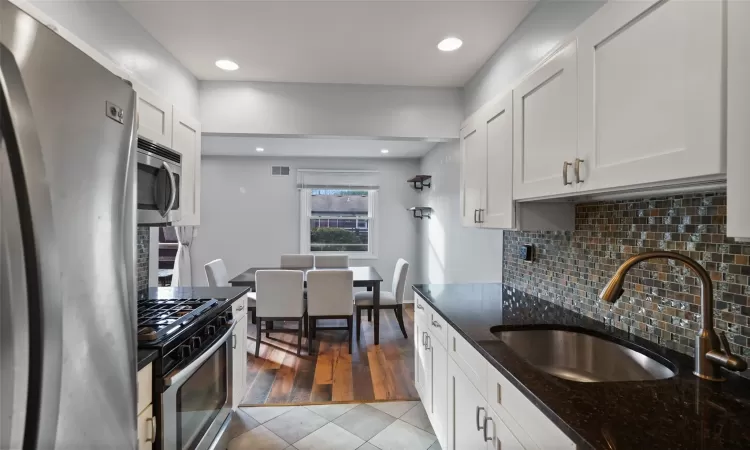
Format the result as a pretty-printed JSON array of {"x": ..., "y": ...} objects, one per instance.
[{"x": 364, "y": 276}]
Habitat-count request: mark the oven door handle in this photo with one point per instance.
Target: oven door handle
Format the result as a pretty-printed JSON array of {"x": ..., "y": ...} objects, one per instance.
[{"x": 180, "y": 377}]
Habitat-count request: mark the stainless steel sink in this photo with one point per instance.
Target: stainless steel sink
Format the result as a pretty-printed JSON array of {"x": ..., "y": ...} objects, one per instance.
[{"x": 582, "y": 357}]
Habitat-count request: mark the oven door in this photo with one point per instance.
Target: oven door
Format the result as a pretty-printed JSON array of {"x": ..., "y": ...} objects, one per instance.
[
  {"x": 158, "y": 190},
  {"x": 198, "y": 399}
]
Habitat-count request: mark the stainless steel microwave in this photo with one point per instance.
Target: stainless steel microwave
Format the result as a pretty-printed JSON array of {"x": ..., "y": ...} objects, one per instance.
[{"x": 158, "y": 184}]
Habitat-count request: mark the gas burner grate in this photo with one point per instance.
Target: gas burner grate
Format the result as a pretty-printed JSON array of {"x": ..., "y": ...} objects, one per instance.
[{"x": 158, "y": 318}]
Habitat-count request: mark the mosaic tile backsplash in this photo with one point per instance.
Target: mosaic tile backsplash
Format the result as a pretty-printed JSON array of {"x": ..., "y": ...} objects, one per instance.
[
  {"x": 142, "y": 248},
  {"x": 662, "y": 298}
]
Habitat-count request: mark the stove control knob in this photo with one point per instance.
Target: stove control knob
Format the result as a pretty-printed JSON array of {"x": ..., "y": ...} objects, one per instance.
[
  {"x": 229, "y": 317},
  {"x": 195, "y": 341},
  {"x": 211, "y": 330},
  {"x": 221, "y": 321},
  {"x": 185, "y": 351}
]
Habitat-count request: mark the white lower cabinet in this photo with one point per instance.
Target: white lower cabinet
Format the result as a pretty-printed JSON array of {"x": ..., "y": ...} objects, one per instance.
[
  {"x": 239, "y": 358},
  {"x": 439, "y": 407},
  {"x": 470, "y": 404}
]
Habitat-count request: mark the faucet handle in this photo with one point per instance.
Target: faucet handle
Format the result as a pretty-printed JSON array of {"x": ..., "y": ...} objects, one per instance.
[{"x": 725, "y": 343}]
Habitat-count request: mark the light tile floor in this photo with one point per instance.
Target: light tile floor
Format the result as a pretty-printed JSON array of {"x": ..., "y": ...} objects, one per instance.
[{"x": 352, "y": 426}]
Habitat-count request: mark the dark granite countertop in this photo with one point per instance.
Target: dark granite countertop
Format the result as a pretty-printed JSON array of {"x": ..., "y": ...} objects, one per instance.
[
  {"x": 145, "y": 356},
  {"x": 683, "y": 412},
  {"x": 166, "y": 293}
]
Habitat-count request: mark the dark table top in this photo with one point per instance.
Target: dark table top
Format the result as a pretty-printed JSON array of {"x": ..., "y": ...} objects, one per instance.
[
  {"x": 363, "y": 276},
  {"x": 683, "y": 412}
]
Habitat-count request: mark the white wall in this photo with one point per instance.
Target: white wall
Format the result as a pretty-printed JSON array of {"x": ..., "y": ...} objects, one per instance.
[
  {"x": 108, "y": 28},
  {"x": 547, "y": 24},
  {"x": 329, "y": 109},
  {"x": 448, "y": 252},
  {"x": 249, "y": 218}
]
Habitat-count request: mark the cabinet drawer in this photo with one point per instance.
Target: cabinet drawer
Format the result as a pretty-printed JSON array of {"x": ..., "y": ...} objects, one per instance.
[
  {"x": 439, "y": 328},
  {"x": 144, "y": 387},
  {"x": 528, "y": 424},
  {"x": 471, "y": 362},
  {"x": 419, "y": 308},
  {"x": 146, "y": 429},
  {"x": 239, "y": 308}
]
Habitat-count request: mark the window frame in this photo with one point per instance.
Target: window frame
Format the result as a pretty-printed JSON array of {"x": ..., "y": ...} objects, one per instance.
[{"x": 372, "y": 235}]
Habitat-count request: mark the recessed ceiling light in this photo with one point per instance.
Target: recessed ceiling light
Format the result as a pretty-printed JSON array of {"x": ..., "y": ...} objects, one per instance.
[
  {"x": 384, "y": 151},
  {"x": 259, "y": 149},
  {"x": 449, "y": 44},
  {"x": 225, "y": 64}
]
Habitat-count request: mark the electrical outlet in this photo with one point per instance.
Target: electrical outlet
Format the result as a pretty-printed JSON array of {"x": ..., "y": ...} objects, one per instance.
[{"x": 526, "y": 253}]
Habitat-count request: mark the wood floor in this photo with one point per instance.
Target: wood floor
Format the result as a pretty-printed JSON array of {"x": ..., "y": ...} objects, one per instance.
[{"x": 371, "y": 373}]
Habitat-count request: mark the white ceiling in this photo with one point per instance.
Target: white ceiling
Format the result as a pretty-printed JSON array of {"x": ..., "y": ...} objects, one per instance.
[
  {"x": 312, "y": 147},
  {"x": 346, "y": 41}
]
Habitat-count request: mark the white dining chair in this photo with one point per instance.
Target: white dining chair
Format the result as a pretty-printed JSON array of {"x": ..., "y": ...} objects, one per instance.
[
  {"x": 297, "y": 261},
  {"x": 216, "y": 274},
  {"x": 279, "y": 297},
  {"x": 332, "y": 261},
  {"x": 388, "y": 300},
  {"x": 329, "y": 296}
]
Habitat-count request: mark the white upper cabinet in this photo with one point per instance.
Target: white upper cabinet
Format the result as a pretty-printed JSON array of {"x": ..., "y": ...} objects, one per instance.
[
  {"x": 649, "y": 95},
  {"x": 497, "y": 196},
  {"x": 154, "y": 117},
  {"x": 186, "y": 139},
  {"x": 738, "y": 127},
  {"x": 545, "y": 137},
  {"x": 473, "y": 172}
]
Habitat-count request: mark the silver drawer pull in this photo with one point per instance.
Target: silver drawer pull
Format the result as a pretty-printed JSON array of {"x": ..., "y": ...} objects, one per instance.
[
  {"x": 152, "y": 429},
  {"x": 419, "y": 306},
  {"x": 499, "y": 395},
  {"x": 480, "y": 408},
  {"x": 487, "y": 438},
  {"x": 436, "y": 324}
]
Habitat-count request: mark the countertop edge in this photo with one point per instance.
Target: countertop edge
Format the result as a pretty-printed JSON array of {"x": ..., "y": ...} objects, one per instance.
[
  {"x": 579, "y": 440},
  {"x": 146, "y": 357}
]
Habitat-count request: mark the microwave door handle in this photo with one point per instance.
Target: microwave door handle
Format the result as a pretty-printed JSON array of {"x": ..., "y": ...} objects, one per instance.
[
  {"x": 180, "y": 377},
  {"x": 159, "y": 194},
  {"x": 173, "y": 187}
]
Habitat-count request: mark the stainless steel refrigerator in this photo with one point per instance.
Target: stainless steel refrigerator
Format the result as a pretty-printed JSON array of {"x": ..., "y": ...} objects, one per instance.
[{"x": 67, "y": 245}]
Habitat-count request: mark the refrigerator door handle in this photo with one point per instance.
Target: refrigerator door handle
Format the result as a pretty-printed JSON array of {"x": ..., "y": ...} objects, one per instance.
[
  {"x": 42, "y": 269},
  {"x": 128, "y": 221}
]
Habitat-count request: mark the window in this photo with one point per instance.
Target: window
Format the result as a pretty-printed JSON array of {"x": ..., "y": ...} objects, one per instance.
[{"x": 337, "y": 212}]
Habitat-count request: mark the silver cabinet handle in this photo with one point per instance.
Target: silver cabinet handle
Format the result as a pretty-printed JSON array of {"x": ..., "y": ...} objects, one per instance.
[
  {"x": 424, "y": 339},
  {"x": 565, "y": 173},
  {"x": 436, "y": 324},
  {"x": 577, "y": 170},
  {"x": 152, "y": 435},
  {"x": 480, "y": 408},
  {"x": 480, "y": 216},
  {"x": 419, "y": 306},
  {"x": 476, "y": 211},
  {"x": 234, "y": 341},
  {"x": 487, "y": 438},
  {"x": 429, "y": 342}
]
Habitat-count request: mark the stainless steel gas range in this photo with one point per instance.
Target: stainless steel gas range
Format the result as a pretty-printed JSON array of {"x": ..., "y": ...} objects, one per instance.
[{"x": 192, "y": 375}]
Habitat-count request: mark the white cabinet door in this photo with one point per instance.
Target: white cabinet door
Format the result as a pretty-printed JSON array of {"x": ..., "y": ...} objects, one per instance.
[
  {"x": 466, "y": 412},
  {"x": 439, "y": 410},
  {"x": 239, "y": 362},
  {"x": 545, "y": 127},
  {"x": 498, "y": 435},
  {"x": 738, "y": 111},
  {"x": 425, "y": 361},
  {"x": 418, "y": 356},
  {"x": 473, "y": 172},
  {"x": 146, "y": 428},
  {"x": 497, "y": 198},
  {"x": 186, "y": 140},
  {"x": 650, "y": 92},
  {"x": 154, "y": 117}
]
